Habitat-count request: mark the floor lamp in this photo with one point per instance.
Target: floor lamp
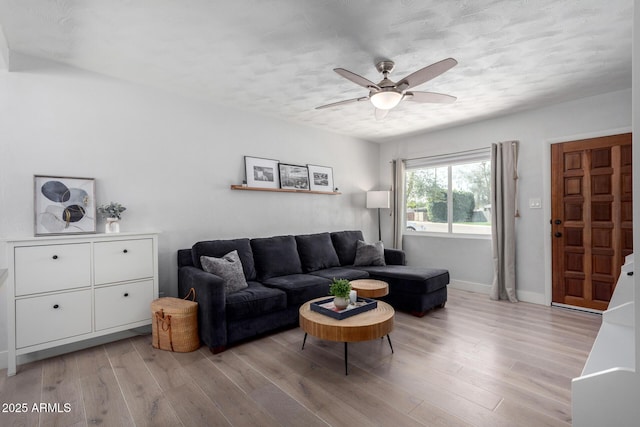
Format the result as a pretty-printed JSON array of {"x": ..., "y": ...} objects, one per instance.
[{"x": 379, "y": 200}]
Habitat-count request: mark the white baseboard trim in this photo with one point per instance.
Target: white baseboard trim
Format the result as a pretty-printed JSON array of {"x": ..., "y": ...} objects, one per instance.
[
  {"x": 479, "y": 288},
  {"x": 80, "y": 345},
  {"x": 482, "y": 288},
  {"x": 532, "y": 297}
]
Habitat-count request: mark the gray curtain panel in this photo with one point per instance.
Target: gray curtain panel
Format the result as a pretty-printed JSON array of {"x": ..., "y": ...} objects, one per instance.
[
  {"x": 398, "y": 202},
  {"x": 504, "y": 210}
]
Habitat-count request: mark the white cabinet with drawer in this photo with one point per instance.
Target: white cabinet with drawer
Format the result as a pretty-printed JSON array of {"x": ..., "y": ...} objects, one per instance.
[
  {"x": 123, "y": 304},
  {"x": 52, "y": 267},
  {"x": 123, "y": 260},
  {"x": 52, "y": 317},
  {"x": 70, "y": 288}
]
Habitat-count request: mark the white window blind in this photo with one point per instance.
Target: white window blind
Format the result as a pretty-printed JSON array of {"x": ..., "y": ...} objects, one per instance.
[{"x": 468, "y": 156}]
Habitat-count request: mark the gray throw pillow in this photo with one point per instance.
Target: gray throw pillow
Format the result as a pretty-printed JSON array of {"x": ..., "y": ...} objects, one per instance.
[
  {"x": 369, "y": 254},
  {"x": 229, "y": 268}
]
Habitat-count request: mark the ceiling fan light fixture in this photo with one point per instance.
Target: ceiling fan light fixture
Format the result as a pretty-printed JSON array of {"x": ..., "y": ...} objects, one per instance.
[{"x": 386, "y": 100}]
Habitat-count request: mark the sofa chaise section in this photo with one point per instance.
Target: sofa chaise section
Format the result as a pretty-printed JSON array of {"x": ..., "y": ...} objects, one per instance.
[{"x": 413, "y": 289}]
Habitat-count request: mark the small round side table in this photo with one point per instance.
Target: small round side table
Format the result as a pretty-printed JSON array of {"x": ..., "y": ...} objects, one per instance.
[{"x": 370, "y": 288}]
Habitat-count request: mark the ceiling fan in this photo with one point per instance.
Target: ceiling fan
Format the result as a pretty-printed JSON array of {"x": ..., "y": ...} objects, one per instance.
[{"x": 386, "y": 95}]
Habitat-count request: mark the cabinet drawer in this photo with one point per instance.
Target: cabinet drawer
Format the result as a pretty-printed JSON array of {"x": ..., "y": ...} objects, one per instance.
[
  {"x": 122, "y": 304},
  {"x": 52, "y": 268},
  {"x": 123, "y": 260},
  {"x": 52, "y": 317}
]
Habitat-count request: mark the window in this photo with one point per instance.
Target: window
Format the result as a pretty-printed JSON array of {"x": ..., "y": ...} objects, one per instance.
[{"x": 449, "y": 194}]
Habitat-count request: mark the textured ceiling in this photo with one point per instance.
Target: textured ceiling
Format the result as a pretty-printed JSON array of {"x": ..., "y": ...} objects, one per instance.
[{"x": 276, "y": 56}]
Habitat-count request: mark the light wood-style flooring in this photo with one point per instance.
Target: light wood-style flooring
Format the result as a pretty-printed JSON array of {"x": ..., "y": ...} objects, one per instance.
[{"x": 474, "y": 363}]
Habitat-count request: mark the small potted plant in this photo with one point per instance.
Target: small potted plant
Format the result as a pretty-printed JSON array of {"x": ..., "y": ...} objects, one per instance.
[
  {"x": 340, "y": 289},
  {"x": 112, "y": 212}
]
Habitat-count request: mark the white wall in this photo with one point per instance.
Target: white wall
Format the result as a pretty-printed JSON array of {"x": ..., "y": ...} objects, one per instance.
[
  {"x": 469, "y": 260},
  {"x": 169, "y": 160}
]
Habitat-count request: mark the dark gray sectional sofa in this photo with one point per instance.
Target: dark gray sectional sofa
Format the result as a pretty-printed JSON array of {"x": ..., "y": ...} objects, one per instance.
[{"x": 283, "y": 272}]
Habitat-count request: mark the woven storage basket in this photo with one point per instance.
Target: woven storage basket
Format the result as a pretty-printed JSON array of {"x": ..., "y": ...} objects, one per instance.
[{"x": 175, "y": 324}]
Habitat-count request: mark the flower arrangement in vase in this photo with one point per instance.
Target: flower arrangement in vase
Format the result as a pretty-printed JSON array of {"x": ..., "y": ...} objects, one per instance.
[
  {"x": 340, "y": 289},
  {"x": 112, "y": 212}
]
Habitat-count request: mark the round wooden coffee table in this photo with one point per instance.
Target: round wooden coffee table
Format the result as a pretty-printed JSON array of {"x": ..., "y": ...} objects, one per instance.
[
  {"x": 365, "y": 326},
  {"x": 370, "y": 288}
]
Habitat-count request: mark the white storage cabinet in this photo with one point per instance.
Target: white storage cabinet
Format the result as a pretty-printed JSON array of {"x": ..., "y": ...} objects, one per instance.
[{"x": 65, "y": 289}]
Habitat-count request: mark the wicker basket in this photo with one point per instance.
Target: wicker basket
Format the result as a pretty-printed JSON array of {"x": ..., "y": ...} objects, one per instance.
[{"x": 175, "y": 324}]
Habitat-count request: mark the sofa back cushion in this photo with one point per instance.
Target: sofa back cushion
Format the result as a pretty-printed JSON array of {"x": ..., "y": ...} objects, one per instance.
[
  {"x": 275, "y": 256},
  {"x": 219, "y": 248},
  {"x": 345, "y": 243},
  {"x": 316, "y": 252}
]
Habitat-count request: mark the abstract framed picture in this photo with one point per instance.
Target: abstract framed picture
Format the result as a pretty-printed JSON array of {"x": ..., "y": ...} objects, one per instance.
[
  {"x": 261, "y": 173},
  {"x": 64, "y": 205},
  {"x": 320, "y": 178},
  {"x": 293, "y": 177}
]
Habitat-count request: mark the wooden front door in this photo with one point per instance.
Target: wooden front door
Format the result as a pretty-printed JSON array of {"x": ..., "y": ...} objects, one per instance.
[{"x": 591, "y": 218}]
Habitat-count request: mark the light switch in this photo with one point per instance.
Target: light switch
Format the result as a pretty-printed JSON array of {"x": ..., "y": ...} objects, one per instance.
[{"x": 535, "y": 203}]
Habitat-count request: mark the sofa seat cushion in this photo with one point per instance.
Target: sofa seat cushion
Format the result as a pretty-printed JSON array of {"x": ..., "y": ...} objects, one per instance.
[
  {"x": 254, "y": 300},
  {"x": 345, "y": 244},
  {"x": 341, "y": 273},
  {"x": 300, "y": 288},
  {"x": 275, "y": 256},
  {"x": 316, "y": 252},
  {"x": 219, "y": 248},
  {"x": 409, "y": 280}
]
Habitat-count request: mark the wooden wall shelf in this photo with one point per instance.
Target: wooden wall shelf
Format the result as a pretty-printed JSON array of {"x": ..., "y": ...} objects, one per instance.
[{"x": 283, "y": 190}]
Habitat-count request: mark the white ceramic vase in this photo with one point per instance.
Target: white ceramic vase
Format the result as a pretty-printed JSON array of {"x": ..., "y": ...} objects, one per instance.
[
  {"x": 112, "y": 225},
  {"x": 340, "y": 303}
]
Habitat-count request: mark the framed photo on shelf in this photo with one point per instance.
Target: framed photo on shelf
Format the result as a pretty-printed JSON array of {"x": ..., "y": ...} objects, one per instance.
[
  {"x": 320, "y": 178},
  {"x": 261, "y": 173},
  {"x": 64, "y": 205},
  {"x": 294, "y": 177}
]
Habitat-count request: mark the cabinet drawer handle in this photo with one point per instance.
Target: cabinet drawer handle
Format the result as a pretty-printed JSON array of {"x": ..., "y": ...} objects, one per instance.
[
  {"x": 55, "y": 257},
  {"x": 56, "y": 306},
  {"x": 125, "y": 251},
  {"x": 126, "y": 294}
]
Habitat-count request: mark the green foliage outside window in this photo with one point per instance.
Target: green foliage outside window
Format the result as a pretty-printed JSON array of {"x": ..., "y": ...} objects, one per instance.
[{"x": 463, "y": 207}]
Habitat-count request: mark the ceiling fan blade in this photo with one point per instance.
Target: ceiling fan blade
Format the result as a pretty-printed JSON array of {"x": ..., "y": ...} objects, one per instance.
[
  {"x": 346, "y": 101},
  {"x": 357, "y": 79},
  {"x": 381, "y": 114},
  {"x": 427, "y": 73},
  {"x": 429, "y": 97}
]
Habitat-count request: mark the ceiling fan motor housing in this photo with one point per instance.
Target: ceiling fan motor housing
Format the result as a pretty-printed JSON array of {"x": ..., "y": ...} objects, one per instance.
[{"x": 385, "y": 66}]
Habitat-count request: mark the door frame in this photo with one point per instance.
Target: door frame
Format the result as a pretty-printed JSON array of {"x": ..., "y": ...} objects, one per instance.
[{"x": 546, "y": 182}]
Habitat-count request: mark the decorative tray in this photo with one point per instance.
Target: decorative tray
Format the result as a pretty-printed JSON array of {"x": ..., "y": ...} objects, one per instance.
[{"x": 327, "y": 308}]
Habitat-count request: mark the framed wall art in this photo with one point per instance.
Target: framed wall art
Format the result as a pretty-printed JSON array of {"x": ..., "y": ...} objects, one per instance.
[
  {"x": 320, "y": 178},
  {"x": 64, "y": 205},
  {"x": 293, "y": 177},
  {"x": 261, "y": 173}
]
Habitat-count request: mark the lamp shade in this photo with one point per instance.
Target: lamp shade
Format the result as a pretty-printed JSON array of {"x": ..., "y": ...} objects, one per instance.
[
  {"x": 386, "y": 100},
  {"x": 378, "y": 199}
]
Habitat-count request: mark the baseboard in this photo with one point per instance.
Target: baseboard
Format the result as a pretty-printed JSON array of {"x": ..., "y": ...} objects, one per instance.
[
  {"x": 479, "y": 288},
  {"x": 532, "y": 297},
  {"x": 482, "y": 288},
  {"x": 80, "y": 345}
]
